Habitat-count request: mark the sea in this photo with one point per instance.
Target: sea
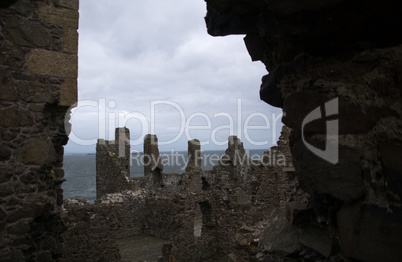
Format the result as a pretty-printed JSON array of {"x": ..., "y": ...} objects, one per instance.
[{"x": 80, "y": 169}]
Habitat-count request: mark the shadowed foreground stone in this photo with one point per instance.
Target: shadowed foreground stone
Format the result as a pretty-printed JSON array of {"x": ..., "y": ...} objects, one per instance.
[
  {"x": 26, "y": 33},
  {"x": 7, "y": 3},
  {"x": 342, "y": 181},
  {"x": 370, "y": 233},
  {"x": 280, "y": 236},
  {"x": 39, "y": 65},
  {"x": 344, "y": 51}
]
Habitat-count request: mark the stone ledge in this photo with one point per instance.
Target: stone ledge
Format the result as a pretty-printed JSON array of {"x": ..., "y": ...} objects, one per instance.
[{"x": 50, "y": 63}]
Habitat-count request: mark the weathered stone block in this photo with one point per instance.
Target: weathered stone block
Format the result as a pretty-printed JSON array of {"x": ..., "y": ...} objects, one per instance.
[
  {"x": 28, "y": 33},
  {"x": 59, "y": 16},
  {"x": 20, "y": 227},
  {"x": 343, "y": 181},
  {"x": 15, "y": 116},
  {"x": 22, "y": 7},
  {"x": 279, "y": 235},
  {"x": 70, "y": 41},
  {"x": 370, "y": 233},
  {"x": 297, "y": 213},
  {"x": 50, "y": 63},
  {"x": 352, "y": 118},
  {"x": 37, "y": 151},
  {"x": 6, "y": 190},
  {"x": 69, "y": 93},
  {"x": 35, "y": 92},
  {"x": 26, "y": 211},
  {"x": 11, "y": 55},
  {"x": 5, "y": 174},
  {"x": 318, "y": 239},
  {"x": 5, "y": 153},
  {"x": 7, "y": 88},
  {"x": 241, "y": 239},
  {"x": 29, "y": 178}
]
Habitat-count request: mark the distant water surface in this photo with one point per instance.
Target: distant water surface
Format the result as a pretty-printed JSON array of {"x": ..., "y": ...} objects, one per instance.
[{"x": 80, "y": 169}]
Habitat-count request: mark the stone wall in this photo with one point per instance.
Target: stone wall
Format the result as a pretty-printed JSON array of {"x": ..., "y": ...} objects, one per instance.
[
  {"x": 314, "y": 51},
  {"x": 38, "y": 71},
  {"x": 345, "y": 52},
  {"x": 222, "y": 203},
  {"x": 233, "y": 198},
  {"x": 152, "y": 160},
  {"x": 113, "y": 164},
  {"x": 94, "y": 228},
  {"x": 194, "y": 155}
]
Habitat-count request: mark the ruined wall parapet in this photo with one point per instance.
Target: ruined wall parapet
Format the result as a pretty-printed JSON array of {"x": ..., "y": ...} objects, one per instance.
[
  {"x": 194, "y": 155},
  {"x": 222, "y": 203},
  {"x": 152, "y": 159},
  {"x": 113, "y": 164}
]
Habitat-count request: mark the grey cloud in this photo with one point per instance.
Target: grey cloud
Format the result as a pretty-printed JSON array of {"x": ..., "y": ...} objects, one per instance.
[{"x": 136, "y": 52}]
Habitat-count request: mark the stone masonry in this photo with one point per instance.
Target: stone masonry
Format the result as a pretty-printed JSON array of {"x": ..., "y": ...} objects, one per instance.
[
  {"x": 315, "y": 51},
  {"x": 152, "y": 160},
  {"x": 38, "y": 83},
  {"x": 224, "y": 203},
  {"x": 347, "y": 52},
  {"x": 113, "y": 164},
  {"x": 194, "y": 155}
]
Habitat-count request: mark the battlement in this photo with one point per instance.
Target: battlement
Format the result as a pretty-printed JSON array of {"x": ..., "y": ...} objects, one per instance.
[{"x": 181, "y": 207}]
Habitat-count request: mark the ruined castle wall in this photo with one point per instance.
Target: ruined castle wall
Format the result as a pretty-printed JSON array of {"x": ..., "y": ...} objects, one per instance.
[
  {"x": 202, "y": 213},
  {"x": 38, "y": 72},
  {"x": 152, "y": 160},
  {"x": 347, "y": 53},
  {"x": 113, "y": 164},
  {"x": 240, "y": 194},
  {"x": 88, "y": 235},
  {"x": 194, "y": 155},
  {"x": 93, "y": 228}
]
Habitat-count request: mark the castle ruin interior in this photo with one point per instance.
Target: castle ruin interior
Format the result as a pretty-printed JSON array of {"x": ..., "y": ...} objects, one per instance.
[{"x": 315, "y": 51}]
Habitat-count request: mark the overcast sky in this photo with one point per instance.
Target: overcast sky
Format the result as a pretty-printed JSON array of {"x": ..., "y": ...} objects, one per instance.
[{"x": 151, "y": 66}]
